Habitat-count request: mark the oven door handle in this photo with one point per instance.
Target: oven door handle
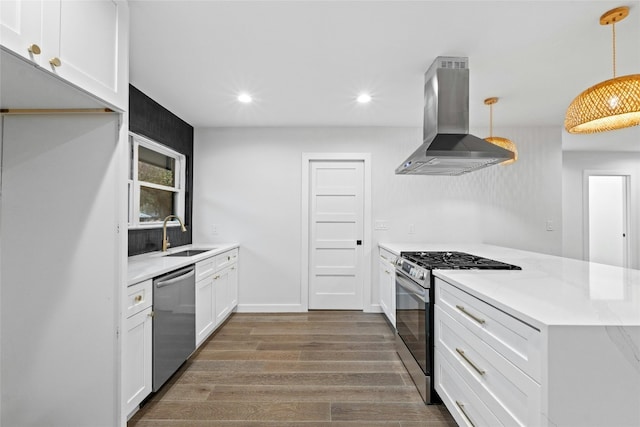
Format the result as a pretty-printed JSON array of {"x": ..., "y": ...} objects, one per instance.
[{"x": 411, "y": 287}]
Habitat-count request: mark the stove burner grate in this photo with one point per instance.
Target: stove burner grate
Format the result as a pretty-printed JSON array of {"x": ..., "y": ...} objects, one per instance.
[{"x": 455, "y": 261}]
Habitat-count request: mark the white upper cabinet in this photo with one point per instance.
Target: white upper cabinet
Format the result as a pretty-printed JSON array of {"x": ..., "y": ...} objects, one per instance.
[
  {"x": 21, "y": 27},
  {"x": 83, "y": 42}
]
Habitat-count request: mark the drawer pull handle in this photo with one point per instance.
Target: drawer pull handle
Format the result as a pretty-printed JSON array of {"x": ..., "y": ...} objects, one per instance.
[
  {"x": 461, "y": 406},
  {"x": 138, "y": 298},
  {"x": 464, "y": 310},
  {"x": 55, "y": 62},
  {"x": 473, "y": 365},
  {"x": 35, "y": 49}
]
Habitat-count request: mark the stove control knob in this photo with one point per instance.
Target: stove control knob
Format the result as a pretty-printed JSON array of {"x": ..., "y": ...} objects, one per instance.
[{"x": 420, "y": 275}]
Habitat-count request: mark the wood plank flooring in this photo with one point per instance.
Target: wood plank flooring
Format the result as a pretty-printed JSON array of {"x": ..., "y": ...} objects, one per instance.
[{"x": 315, "y": 369}]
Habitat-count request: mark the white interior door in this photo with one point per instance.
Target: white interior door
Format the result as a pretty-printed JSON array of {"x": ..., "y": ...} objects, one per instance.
[
  {"x": 336, "y": 211},
  {"x": 607, "y": 219}
]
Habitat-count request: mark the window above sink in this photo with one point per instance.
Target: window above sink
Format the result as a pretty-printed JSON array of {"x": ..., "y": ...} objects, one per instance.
[{"x": 156, "y": 183}]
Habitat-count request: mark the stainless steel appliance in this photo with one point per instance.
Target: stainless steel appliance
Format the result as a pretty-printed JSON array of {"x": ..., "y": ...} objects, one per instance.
[
  {"x": 447, "y": 147},
  {"x": 174, "y": 322},
  {"x": 415, "y": 293}
]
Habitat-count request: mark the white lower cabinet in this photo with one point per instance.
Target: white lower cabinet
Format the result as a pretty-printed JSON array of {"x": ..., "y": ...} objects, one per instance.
[
  {"x": 205, "y": 309},
  {"x": 387, "y": 282},
  {"x": 477, "y": 374},
  {"x": 222, "y": 297},
  {"x": 137, "y": 346},
  {"x": 216, "y": 292}
]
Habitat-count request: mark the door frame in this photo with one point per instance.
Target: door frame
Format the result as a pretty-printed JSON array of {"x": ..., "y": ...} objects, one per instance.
[
  {"x": 585, "y": 210},
  {"x": 307, "y": 158}
]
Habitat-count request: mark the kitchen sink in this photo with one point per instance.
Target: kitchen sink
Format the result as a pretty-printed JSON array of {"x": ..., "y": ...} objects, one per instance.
[{"x": 189, "y": 252}]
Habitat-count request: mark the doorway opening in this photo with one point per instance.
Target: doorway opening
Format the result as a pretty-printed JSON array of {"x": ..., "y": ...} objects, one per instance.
[{"x": 606, "y": 213}]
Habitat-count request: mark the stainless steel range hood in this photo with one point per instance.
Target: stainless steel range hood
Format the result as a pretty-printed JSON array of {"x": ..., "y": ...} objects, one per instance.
[{"x": 448, "y": 148}]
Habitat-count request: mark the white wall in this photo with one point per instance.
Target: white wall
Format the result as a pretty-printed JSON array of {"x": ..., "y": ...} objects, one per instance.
[
  {"x": 574, "y": 165},
  {"x": 248, "y": 183},
  {"x": 519, "y": 199}
]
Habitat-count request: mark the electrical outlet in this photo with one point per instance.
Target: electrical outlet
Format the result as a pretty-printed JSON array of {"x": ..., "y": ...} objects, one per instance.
[
  {"x": 549, "y": 225},
  {"x": 214, "y": 229},
  {"x": 412, "y": 229}
]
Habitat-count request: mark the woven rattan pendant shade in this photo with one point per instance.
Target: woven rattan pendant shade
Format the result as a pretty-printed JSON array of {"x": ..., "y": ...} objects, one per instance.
[
  {"x": 611, "y": 104},
  {"x": 505, "y": 143}
]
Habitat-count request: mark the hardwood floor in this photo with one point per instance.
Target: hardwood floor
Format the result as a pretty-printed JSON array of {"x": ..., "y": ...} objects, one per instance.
[{"x": 321, "y": 368}]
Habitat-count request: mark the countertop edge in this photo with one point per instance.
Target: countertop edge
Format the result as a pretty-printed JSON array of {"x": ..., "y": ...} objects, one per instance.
[
  {"x": 147, "y": 266},
  {"x": 550, "y": 291}
]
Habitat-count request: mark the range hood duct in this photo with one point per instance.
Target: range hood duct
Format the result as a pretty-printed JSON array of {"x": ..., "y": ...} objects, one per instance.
[{"x": 447, "y": 147}]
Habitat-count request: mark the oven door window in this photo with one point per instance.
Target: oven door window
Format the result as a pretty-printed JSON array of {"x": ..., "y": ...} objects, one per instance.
[{"x": 412, "y": 317}]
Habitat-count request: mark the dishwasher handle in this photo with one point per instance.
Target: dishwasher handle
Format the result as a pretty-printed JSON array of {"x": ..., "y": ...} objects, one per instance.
[{"x": 175, "y": 279}]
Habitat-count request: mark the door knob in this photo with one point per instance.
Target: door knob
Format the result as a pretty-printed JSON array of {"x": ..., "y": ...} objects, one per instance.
[
  {"x": 55, "y": 62},
  {"x": 35, "y": 49}
]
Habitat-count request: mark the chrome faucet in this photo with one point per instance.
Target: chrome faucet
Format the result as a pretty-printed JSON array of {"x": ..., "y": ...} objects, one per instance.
[{"x": 165, "y": 240}]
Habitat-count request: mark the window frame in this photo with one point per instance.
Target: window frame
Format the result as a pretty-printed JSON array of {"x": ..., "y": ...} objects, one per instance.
[{"x": 134, "y": 184}]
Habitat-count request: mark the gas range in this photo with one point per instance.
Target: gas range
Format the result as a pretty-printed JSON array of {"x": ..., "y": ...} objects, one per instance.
[
  {"x": 415, "y": 321},
  {"x": 418, "y": 265}
]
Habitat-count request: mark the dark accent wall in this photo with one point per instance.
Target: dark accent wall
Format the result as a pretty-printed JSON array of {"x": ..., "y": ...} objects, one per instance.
[{"x": 150, "y": 119}]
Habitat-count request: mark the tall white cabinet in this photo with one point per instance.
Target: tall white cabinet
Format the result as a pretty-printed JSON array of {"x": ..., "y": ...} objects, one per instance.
[{"x": 62, "y": 211}]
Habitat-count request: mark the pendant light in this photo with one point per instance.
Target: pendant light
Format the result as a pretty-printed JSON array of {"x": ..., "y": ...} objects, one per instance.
[
  {"x": 611, "y": 104},
  {"x": 505, "y": 143}
]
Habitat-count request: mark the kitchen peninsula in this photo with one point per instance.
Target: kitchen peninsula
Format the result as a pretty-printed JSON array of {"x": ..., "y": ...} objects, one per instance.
[{"x": 556, "y": 343}]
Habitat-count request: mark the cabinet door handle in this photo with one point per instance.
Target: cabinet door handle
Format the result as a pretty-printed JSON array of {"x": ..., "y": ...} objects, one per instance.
[
  {"x": 55, "y": 61},
  {"x": 473, "y": 365},
  {"x": 461, "y": 406},
  {"x": 151, "y": 314},
  {"x": 387, "y": 271},
  {"x": 476, "y": 318},
  {"x": 35, "y": 49},
  {"x": 138, "y": 298}
]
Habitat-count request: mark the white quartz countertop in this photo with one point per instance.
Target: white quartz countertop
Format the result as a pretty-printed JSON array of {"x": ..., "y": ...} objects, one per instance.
[
  {"x": 549, "y": 290},
  {"x": 152, "y": 264}
]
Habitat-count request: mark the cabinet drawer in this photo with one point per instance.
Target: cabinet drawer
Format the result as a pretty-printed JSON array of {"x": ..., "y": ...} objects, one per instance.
[
  {"x": 387, "y": 256},
  {"x": 227, "y": 258},
  {"x": 205, "y": 268},
  {"x": 139, "y": 297},
  {"x": 515, "y": 340},
  {"x": 463, "y": 404},
  {"x": 508, "y": 392}
]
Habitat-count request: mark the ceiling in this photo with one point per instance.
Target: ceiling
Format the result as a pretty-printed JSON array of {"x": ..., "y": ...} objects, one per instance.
[{"x": 305, "y": 62}]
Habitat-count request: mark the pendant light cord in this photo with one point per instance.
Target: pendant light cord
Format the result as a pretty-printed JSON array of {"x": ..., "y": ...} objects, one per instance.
[
  {"x": 491, "y": 120},
  {"x": 613, "y": 29}
]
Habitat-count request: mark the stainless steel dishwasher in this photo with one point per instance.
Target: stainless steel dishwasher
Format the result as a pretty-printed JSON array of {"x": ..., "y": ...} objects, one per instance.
[{"x": 174, "y": 322}]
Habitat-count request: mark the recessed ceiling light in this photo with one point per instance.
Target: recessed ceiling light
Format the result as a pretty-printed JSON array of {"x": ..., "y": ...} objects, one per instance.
[
  {"x": 245, "y": 98},
  {"x": 363, "y": 98}
]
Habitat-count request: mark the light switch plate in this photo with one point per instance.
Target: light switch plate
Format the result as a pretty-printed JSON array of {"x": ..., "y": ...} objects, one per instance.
[{"x": 381, "y": 224}]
